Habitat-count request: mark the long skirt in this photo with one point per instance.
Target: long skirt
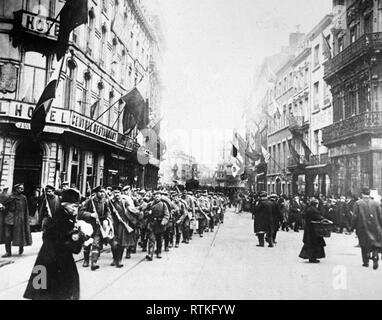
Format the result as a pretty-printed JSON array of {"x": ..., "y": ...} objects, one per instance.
[{"x": 312, "y": 252}]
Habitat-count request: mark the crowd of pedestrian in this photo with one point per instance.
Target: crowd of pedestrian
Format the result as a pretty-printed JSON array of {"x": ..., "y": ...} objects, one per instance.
[
  {"x": 124, "y": 218},
  {"x": 363, "y": 215}
]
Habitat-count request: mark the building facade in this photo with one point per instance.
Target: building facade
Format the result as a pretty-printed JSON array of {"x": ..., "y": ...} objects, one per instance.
[
  {"x": 115, "y": 52},
  {"x": 354, "y": 73}
]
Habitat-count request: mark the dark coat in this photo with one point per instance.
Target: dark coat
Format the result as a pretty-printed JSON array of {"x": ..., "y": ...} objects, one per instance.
[
  {"x": 313, "y": 245},
  {"x": 16, "y": 213},
  {"x": 122, "y": 236},
  {"x": 367, "y": 222},
  {"x": 101, "y": 207},
  {"x": 295, "y": 211},
  {"x": 159, "y": 214},
  {"x": 310, "y": 237},
  {"x": 56, "y": 255},
  {"x": 343, "y": 215},
  {"x": 276, "y": 215},
  {"x": 263, "y": 217}
]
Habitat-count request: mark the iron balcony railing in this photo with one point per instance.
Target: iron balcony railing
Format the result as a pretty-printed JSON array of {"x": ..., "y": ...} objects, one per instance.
[
  {"x": 358, "y": 124},
  {"x": 353, "y": 52}
]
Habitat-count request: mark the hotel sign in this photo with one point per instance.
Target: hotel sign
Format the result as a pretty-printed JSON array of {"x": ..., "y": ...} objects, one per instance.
[{"x": 37, "y": 24}]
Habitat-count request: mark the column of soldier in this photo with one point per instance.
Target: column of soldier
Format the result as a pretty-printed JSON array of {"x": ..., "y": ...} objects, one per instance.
[{"x": 124, "y": 218}]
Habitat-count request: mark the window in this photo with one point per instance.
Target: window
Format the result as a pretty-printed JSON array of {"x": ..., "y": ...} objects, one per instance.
[
  {"x": 368, "y": 23},
  {"x": 103, "y": 47},
  {"x": 89, "y": 36},
  {"x": 316, "y": 141},
  {"x": 316, "y": 96},
  {"x": 85, "y": 102},
  {"x": 316, "y": 58},
  {"x": 34, "y": 74},
  {"x": 353, "y": 34},
  {"x": 70, "y": 86},
  {"x": 340, "y": 44}
]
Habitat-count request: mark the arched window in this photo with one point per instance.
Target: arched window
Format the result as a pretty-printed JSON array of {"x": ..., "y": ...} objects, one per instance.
[
  {"x": 85, "y": 102},
  {"x": 70, "y": 85}
]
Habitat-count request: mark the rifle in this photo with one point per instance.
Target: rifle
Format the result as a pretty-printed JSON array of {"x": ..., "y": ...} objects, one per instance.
[
  {"x": 103, "y": 232},
  {"x": 47, "y": 205},
  {"x": 128, "y": 228}
]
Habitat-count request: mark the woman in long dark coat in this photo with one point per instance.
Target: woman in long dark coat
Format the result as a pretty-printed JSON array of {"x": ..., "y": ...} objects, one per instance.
[
  {"x": 313, "y": 248},
  {"x": 60, "y": 241}
]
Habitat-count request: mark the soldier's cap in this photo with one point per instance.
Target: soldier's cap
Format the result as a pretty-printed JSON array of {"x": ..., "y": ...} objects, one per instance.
[
  {"x": 117, "y": 188},
  {"x": 141, "y": 192},
  {"x": 125, "y": 188},
  {"x": 65, "y": 183},
  {"x": 273, "y": 196},
  {"x": 109, "y": 188},
  {"x": 263, "y": 194},
  {"x": 157, "y": 192},
  {"x": 365, "y": 191},
  {"x": 71, "y": 196},
  {"x": 6, "y": 188},
  {"x": 97, "y": 189},
  {"x": 50, "y": 187},
  {"x": 314, "y": 200},
  {"x": 19, "y": 185},
  {"x": 190, "y": 193}
]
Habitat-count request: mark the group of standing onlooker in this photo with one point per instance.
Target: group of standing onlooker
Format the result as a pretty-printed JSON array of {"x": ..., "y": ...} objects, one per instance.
[{"x": 363, "y": 215}]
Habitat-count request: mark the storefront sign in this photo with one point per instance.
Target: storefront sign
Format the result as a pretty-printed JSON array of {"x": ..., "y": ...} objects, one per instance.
[
  {"x": 21, "y": 110},
  {"x": 86, "y": 124},
  {"x": 39, "y": 24},
  {"x": 348, "y": 149}
]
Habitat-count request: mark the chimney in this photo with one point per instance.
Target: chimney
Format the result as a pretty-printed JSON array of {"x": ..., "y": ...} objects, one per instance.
[{"x": 295, "y": 37}]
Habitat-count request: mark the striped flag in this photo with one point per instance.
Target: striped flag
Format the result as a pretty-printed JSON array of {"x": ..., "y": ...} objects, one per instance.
[
  {"x": 266, "y": 154},
  {"x": 38, "y": 120}
]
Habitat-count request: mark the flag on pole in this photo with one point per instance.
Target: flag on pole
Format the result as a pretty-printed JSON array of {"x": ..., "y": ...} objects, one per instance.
[
  {"x": 266, "y": 154},
  {"x": 326, "y": 48},
  {"x": 43, "y": 105},
  {"x": 73, "y": 14},
  {"x": 93, "y": 108},
  {"x": 135, "y": 112}
]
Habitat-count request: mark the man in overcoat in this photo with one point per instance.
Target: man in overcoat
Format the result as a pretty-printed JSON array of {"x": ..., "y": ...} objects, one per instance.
[
  {"x": 367, "y": 222},
  {"x": 263, "y": 224},
  {"x": 55, "y": 275},
  {"x": 16, "y": 228},
  {"x": 157, "y": 220}
]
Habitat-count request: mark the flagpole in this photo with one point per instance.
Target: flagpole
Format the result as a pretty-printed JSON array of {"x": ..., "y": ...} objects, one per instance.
[{"x": 100, "y": 116}]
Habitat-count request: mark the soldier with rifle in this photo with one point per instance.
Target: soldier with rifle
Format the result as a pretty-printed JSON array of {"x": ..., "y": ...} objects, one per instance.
[
  {"x": 158, "y": 218},
  {"x": 123, "y": 237},
  {"x": 95, "y": 211}
]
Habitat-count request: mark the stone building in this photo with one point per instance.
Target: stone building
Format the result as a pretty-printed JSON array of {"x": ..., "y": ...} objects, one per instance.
[
  {"x": 354, "y": 74},
  {"x": 115, "y": 52}
]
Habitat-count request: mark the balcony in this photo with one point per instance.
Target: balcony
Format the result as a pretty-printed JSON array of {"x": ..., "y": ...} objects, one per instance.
[
  {"x": 321, "y": 159},
  {"x": 293, "y": 164},
  {"x": 296, "y": 124},
  {"x": 353, "y": 52},
  {"x": 365, "y": 123}
]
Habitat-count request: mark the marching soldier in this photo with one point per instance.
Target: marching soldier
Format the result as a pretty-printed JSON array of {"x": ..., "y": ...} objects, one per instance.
[
  {"x": 123, "y": 237},
  {"x": 50, "y": 204},
  {"x": 202, "y": 209},
  {"x": 169, "y": 230},
  {"x": 96, "y": 212},
  {"x": 16, "y": 227},
  {"x": 191, "y": 204},
  {"x": 157, "y": 221}
]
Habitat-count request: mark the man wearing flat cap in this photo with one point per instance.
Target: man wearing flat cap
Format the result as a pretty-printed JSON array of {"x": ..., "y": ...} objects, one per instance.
[
  {"x": 94, "y": 210},
  {"x": 367, "y": 222},
  {"x": 16, "y": 229}
]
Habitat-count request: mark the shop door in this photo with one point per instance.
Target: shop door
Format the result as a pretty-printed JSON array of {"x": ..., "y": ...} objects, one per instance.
[{"x": 28, "y": 166}]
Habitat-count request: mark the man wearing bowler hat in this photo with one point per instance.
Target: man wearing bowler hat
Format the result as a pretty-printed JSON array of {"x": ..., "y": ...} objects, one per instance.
[{"x": 263, "y": 224}]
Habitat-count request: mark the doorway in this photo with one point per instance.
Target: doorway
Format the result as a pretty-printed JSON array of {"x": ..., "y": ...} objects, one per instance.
[{"x": 28, "y": 165}]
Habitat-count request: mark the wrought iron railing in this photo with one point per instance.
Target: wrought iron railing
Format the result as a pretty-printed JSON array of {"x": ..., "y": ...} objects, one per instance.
[
  {"x": 353, "y": 125},
  {"x": 353, "y": 51}
]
